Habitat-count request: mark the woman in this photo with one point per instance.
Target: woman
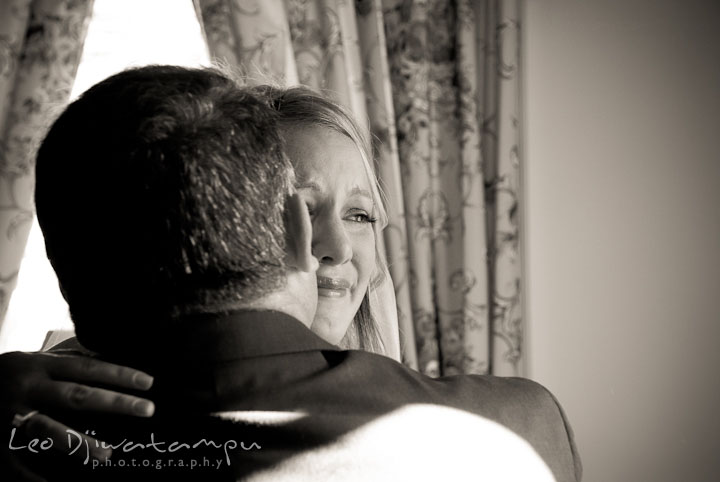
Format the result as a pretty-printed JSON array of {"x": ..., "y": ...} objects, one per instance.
[
  {"x": 335, "y": 179},
  {"x": 356, "y": 307}
]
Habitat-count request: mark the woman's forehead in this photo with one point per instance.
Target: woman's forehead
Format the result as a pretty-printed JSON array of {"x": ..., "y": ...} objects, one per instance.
[
  {"x": 317, "y": 140},
  {"x": 320, "y": 155}
]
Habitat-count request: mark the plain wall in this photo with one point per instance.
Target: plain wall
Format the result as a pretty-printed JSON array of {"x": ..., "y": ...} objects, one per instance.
[{"x": 622, "y": 218}]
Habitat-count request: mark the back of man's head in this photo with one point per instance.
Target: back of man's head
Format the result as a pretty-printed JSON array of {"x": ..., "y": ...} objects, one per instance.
[{"x": 160, "y": 192}]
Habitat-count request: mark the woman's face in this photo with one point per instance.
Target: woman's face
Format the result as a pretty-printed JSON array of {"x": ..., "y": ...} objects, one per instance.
[{"x": 332, "y": 181}]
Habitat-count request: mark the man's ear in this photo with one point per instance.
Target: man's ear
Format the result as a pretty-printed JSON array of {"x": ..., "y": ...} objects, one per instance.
[{"x": 299, "y": 235}]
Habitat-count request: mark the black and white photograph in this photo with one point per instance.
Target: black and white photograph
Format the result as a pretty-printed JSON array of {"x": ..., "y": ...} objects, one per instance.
[{"x": 369, "y": 240}]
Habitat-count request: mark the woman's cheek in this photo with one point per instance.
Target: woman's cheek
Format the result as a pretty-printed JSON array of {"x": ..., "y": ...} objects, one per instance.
[{"x": 364, "y": 254}]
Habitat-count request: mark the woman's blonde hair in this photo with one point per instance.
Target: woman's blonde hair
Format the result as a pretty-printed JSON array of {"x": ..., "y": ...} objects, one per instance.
[{"x": 302, "y": 107}]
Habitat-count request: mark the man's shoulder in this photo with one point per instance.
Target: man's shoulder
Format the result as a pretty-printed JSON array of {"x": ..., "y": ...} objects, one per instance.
[
  {"x": 513, "y": 392},
  {"x": 475, "y": 390},
  {"x": 415, "y": 441},
  {"x": 522, "y": 405}
]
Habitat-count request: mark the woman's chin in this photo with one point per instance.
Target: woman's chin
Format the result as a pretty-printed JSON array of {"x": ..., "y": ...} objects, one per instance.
[{"x": 328, "y": 328}]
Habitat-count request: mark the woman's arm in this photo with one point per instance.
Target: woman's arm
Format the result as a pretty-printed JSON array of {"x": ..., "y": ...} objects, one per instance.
[{"x": 45, "y": 384}]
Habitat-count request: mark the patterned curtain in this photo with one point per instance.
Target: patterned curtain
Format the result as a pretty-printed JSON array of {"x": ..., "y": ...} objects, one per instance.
[
  {"x": 40, "y": 48},
  {"x": 438, "y": 81}
]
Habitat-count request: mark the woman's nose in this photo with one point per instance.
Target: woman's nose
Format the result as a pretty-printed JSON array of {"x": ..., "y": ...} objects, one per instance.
[{"x": 331, "y": 244}]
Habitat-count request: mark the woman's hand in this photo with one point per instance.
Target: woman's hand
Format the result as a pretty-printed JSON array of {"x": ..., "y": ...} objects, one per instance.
[{"x": 49, "y": 383}]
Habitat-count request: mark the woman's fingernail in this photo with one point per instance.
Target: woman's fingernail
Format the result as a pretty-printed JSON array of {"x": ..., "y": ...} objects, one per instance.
[
  {"x": 142, "y": 380},
  {"x": 144, "y": 408},
  {"x": 101, "y": 453}
]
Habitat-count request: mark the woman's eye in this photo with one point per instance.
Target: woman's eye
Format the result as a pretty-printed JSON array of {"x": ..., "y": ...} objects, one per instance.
[{"x": 361, "y": 218}]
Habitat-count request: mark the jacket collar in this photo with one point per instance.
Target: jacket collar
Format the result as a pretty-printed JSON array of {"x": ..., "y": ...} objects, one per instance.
[{"x": 239, "y": 334}]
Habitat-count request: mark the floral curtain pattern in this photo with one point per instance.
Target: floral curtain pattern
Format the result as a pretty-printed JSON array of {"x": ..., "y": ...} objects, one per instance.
[
  {"x": 40, "y": 47},
  {"x": 438, "y": 81},
  {"x": 454, "y": 69}
]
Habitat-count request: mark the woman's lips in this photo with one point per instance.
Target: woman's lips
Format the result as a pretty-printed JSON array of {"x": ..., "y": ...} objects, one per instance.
[{"x": 332, "y": 287}]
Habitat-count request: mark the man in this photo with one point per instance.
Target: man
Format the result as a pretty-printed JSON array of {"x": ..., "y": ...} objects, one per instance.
[{"x": 169, "y": 216}]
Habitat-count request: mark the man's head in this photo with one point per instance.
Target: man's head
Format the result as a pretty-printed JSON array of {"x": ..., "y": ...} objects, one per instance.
[{"x": 162, "y": 192}]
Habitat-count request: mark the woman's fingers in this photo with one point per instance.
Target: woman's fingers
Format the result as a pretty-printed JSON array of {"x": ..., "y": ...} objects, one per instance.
[
  {"x": 78, "y": 397},
  {"x": 90, "y": 370},
  {"x": 51, "y": 383},
  {"x": 64, "y": 439}
]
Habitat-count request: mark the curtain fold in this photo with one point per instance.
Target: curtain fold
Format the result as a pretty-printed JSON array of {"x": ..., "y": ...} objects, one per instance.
[
  {"x": 437, "y": 83},
  {"x": 381, "y": 118},
  {"x": 508, "y": 310},
  {"x": 40, "y": 47}
]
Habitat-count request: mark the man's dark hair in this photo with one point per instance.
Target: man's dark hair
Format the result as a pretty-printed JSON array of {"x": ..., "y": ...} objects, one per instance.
[{"x": 160, "y": 192}]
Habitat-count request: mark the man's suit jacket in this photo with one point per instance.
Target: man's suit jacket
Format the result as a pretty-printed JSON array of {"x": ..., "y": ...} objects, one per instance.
[{"x": 284, "y": 403}]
